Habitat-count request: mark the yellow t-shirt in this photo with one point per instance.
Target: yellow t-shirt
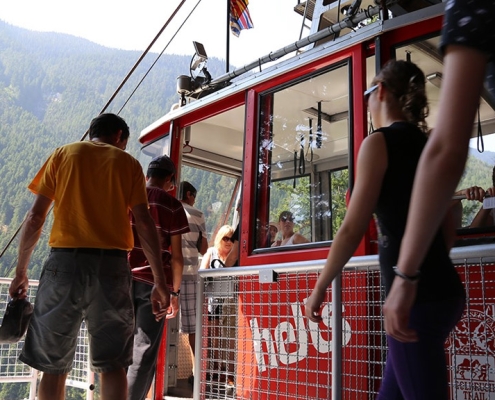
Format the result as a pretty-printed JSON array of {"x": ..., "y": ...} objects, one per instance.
[{"x": 93, "y": 185}]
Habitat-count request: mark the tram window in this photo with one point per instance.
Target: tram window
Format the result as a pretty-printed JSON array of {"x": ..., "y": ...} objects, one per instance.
[
  {"x": 478, "y": 172},
  {"x": 303, "y": 140},
  {"x": 297, "y": 202},
  {"x": 216, "y": 195},
  {"x": 152, "y": 150},
  {"x": 481, "y": 156}
]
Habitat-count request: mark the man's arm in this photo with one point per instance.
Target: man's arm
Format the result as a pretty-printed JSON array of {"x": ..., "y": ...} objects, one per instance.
[
  {"x": 205, "y": 261},
  {"x": 204, "y": 246},
  {"x": 177, "y": 263},
  {"x": 148, "y": 237},
  {"x": 31, "y": 232}
]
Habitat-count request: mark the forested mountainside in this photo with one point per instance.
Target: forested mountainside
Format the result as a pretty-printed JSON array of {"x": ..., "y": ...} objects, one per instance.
[{"x": 51, "y": 86}]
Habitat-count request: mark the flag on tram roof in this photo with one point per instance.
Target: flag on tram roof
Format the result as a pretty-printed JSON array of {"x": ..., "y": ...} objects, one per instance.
[{"x": 239, "y": 16}]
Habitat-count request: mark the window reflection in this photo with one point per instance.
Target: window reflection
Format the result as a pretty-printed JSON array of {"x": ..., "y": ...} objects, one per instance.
[
  {"x": 303, "y": 156},
  {"x": 481, "y": 157},
  {"x": 155, "y": 149}
]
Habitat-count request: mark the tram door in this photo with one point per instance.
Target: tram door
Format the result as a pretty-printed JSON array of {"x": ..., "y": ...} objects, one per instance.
[{"x": 212, "y": 162}]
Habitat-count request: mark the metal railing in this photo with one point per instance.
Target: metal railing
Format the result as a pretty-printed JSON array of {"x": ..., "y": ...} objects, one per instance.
[
  {"x": 268, "y": 350},
  {"x": 12, "y": 370},
  {"x": 256, "y": 344}
]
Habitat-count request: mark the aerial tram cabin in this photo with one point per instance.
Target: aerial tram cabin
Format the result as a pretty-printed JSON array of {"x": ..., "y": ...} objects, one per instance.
[{"x": 281, "y": 134}]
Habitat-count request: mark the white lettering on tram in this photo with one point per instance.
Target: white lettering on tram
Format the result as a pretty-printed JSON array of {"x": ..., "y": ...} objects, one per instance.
[{"x": 287, "y": 343}]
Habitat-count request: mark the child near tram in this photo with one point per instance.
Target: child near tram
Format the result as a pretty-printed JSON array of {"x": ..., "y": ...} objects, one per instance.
[{"x": 385, "y": 172}]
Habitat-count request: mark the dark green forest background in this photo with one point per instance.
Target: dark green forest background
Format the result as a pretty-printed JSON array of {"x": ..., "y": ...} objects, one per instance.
[{"x": 51, "y": 86}]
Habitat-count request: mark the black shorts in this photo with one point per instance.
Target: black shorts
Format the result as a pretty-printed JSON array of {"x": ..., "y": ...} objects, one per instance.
[{"x": 75, "y": 287}]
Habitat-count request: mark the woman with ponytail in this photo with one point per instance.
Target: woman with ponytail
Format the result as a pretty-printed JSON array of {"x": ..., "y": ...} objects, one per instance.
[{"x": 387, "y": 161}]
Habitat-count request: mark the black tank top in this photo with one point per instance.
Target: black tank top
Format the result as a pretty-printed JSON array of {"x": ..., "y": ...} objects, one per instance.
[{"x": 439, "y": 280}]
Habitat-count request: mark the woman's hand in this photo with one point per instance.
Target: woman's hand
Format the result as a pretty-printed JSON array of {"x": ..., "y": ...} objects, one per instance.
[
  {"x": 397, "y": 309},
  {"x": 313, "y": 305}
]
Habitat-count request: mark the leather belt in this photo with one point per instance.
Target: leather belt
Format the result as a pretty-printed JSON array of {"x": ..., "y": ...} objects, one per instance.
[{"x": 87, "y": 250}]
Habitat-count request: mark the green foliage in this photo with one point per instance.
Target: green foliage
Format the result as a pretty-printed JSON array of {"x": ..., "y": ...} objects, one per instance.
[
  {"x": 14, "y": 391},
  {"x": 339, "y": 186},
  {"x": 72, "y": 393}
]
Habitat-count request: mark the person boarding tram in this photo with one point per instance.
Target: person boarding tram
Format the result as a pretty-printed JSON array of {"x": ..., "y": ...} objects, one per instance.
[
  {"x": 386, "y": 167},
  {"x": 171, "y": 222},
  {"x": 193, "y": 243},
  {"x": 86, "y": 276},
  {"x": 468, "y": 35}
]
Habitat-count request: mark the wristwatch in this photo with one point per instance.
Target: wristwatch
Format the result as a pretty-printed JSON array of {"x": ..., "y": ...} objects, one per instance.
[{"x": 175, "y": 294}]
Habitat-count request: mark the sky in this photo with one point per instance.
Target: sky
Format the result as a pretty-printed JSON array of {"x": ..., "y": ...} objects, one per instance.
[{"x": 132, "y": 25}]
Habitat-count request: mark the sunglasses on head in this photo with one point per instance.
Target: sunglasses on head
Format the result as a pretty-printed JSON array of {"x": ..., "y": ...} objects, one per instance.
[
  {"x": 228, "y": 239},
  {"x": 368, "y": 92}
]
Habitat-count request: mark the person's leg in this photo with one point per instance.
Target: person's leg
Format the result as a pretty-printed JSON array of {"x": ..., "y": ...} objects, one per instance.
[
  {"x": 52, "y": 334},
  {"x": 147, "y": 336},
  {"x": 113, "y": 385},
  {"x": 389, "y": 388},
  {"x": 419, "y": 369},
  {"x": 188, "y": 309},
  {"x": 52, "y": 387},
  {"x": 192, "y": 344},
  {"x": 110, "y": 322},
  {"x": 228, "y": 333}
]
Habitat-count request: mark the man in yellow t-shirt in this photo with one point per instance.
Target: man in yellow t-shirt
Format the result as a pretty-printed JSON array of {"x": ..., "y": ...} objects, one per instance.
[{"x": 93, "y": 185}]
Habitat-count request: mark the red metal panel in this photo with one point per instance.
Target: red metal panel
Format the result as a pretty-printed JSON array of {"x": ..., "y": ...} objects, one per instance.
[
  {"x": 161, "y": 368},
  {"x": 359, "y": 126},
  {"x": 249, "y": 177},
  {"x": 157, "y": 133}
]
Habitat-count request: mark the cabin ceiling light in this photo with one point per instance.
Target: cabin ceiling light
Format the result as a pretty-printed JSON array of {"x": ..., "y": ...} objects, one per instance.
[{"x": 435, "y": 79}]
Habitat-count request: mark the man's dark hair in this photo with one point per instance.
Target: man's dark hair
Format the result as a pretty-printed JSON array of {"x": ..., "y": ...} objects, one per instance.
[
  {"x": 158, "y": 173},
  {"x": 186, "y": 187},
  {"x": 108, "y": 124}
]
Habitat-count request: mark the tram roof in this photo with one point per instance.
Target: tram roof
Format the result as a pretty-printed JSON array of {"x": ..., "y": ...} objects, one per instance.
[{"x": 252, "y": 78}]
